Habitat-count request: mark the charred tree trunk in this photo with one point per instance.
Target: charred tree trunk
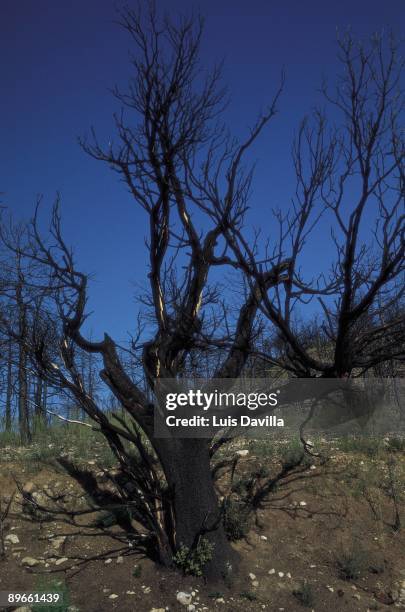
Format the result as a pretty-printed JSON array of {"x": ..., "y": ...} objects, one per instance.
[
  {"x": 9, "y": 389},
  {"x": 40, "y": 414},
  {"x": 197, "y": 515},
  {"x": 23, "y": 414}
]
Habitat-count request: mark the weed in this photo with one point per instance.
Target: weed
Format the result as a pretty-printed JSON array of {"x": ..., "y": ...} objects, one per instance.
[
  {"x": 351, "y": 562},
  {"x": 364, "y": 445},
  {"x": 305, "y": 595},
  {"x": 193, "y": 560},
  {"x": 396, "y": 444},
  {"x": 236, "y": 519},
  {"x": 293, "y": 455},
  {"x": 137, "y": 571},
  {"x": 249, "y": 595}
]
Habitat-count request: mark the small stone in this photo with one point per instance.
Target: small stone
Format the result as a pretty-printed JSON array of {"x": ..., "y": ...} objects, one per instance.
[
  {"x": 312, "y": 565},
  {"x": 242, "y": 453},
  {"x": 281, "y": 574},
  {"x": 220, "y": 600},
  {"x": 158, "y": 610},
  {"x": 183, "y": 598},
  {"x": 58, "y": 542},
  {"x": 191, "y": 608},
  {"x": 120, "y": 560},
  {"x": 130, "y": 592},
  {"x": 147, "y": 590},
  {"x": 303, "y": 503},
  {"x": 255, "y": 583},
  {"x": 356, "y": 596},
  {"x": 331, "y": 589},
  {"x": 61, "y": 560},
  {"x": 106, "y": 590},
  {"x": 107, "y": 561},
  {"x": 313, "y": 467},
  {"x": 264, "y": 538},
  {"x": 12, "y": 538},
  {"x": 113, "y": 596},
  {"x": 272, "y": 571},
  {"x": 252, "y": 576},
  {"x": 29, "y": 487},
  {"x": 288, "y": 575},
  {"x": 30, "y": 561}
]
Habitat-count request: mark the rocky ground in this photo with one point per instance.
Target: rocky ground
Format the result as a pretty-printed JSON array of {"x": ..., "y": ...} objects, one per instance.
[{"x": 328, "y": 539}]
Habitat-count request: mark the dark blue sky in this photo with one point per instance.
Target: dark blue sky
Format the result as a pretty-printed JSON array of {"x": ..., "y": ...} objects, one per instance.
[{"x": 58, "y": 60}]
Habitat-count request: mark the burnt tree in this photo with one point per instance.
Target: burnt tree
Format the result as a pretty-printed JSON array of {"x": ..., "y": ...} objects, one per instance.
[{"x": 186, "y": 173}]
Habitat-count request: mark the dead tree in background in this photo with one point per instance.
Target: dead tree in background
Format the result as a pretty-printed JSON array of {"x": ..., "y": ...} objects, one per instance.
[
  {"x": 9, "y": 388},
  {"x": 351, "y": 177},
  {"x": 186, "y": 174}
]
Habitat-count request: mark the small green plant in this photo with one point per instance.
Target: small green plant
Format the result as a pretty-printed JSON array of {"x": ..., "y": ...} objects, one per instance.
[
  {"x": 396, "y": 444},
  {"x": 236, "y": 519},
  {"x": 351, "y": 562},
  {"x": 360, "y": 444},
  {"x": 52, "y": 586},
  {"x": 249, "y": 595},
  {"x": 293, "y": 455},
  {"x": 137, "y": 571},
  {"x": 305, "y": 595},
  {"x": 193, "y": 560}
]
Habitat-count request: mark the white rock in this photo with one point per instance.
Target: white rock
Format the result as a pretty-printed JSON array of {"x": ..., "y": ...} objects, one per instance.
[
  {"x": 331, "y": 589},
  {"x": 113, "y": 596},
  {"x": 252, "y": 576},
  {"x": 281, "y": 574},
  {"x": 303, "y": 503},
  {"x": 107, "y": 561},
  {"x": 158, "y": 610},
  {"x": 61, "y": 560},
  {"x": 130, "y": 592},
  {"x": 191, "y": 608},
  {"x": 220, "y": 600},
  {"x": 183, "y": 598},
  {"x": 120, "y": 560},
  {"x": 242, "y": 453},
  {"x": 272, "y": 571},
  {"x": 264, "y": 538},
  {"x": 255, "y": 583},
  {"x": 288, "y": 575},
  {"x": 12, "y": 538},
  {"x": 30, "y": 561},
  {"x": 58, "y": 542}
]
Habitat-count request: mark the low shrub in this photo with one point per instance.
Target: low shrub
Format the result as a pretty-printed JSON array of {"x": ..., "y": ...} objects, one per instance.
[
  {"x": 236, "y": 519},
  {"x": 351, "y": 562},
  {"x": 193, "y": 560},
  {"x": 305, "y": 595}
]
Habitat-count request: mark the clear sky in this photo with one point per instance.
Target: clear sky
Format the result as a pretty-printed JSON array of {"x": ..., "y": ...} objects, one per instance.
[{"x": 58, "y": 60}]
